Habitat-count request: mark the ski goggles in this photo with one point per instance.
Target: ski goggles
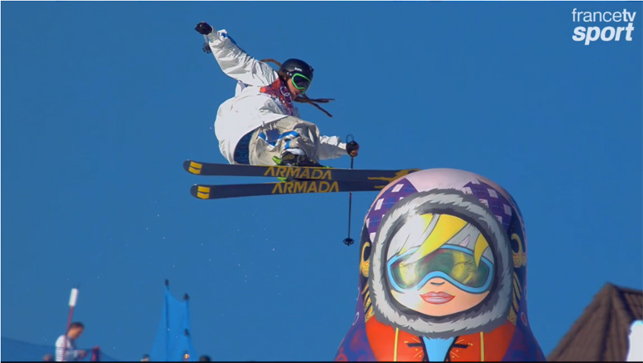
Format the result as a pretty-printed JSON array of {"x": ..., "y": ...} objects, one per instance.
[
  {"x": 452, "y": 263},
  {"x": 300, "y": 82}
]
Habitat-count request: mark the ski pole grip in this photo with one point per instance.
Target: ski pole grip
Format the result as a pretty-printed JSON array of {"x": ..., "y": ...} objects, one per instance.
[
  {"x": 73, "y": 297},
  {"x": 352, "y": 147}
]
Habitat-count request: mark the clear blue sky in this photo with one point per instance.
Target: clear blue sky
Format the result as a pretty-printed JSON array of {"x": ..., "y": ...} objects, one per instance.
[{"x": 102, "y": 102}]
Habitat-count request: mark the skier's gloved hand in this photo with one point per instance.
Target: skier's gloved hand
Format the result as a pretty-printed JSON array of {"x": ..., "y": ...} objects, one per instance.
[
  {"x": 203, "y": 28},
  {"x": 352, "y": 148}
]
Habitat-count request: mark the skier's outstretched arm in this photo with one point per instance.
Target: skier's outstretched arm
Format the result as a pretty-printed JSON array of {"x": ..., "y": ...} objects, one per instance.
[
  {"x": 234, "y": 61},
  {"x": 331, "y": 147}
]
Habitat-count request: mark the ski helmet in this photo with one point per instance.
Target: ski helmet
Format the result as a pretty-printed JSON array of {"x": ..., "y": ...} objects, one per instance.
[{"x": 292, "y": 66}]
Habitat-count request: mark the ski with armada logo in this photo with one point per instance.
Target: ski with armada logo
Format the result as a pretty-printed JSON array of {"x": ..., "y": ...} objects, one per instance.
[
  {"x": 203, "y": 191},
  {"x": 295, "y": 173}
]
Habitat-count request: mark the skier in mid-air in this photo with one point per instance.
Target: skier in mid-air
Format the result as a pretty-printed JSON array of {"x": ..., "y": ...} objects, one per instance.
[{"x": 260, "y": 125}]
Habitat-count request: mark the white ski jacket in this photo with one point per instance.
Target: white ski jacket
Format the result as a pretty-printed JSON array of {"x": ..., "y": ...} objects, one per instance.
[
  {"x": 71, "y": 353},
  {"x": 251, "y": 108}
]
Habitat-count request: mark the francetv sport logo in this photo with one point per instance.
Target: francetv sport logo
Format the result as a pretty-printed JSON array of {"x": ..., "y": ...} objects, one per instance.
[{"x": 609, "y": 26}]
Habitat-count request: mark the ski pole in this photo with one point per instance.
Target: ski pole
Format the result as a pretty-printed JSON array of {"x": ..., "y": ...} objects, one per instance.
[{"x": 348, "y": 240}]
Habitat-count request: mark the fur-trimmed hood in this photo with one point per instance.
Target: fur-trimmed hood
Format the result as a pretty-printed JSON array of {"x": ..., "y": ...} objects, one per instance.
[{"x": 486, "y": 316}]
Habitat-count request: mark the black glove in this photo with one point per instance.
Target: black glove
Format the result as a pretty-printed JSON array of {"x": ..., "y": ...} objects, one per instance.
[
  {"x": 203, "y": 28},
  {"x": 352, "y": 148}
]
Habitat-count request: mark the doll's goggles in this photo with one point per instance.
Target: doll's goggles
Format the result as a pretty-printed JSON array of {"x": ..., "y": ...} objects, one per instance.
[{"x": 452, "y": 263}]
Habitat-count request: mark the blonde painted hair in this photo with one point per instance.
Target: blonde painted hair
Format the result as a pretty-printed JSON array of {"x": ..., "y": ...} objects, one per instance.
[{"x": 444, "y": 228}]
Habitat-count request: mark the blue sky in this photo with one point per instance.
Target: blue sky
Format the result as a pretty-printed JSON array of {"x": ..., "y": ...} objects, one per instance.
[{"x": 102, "y": 102}]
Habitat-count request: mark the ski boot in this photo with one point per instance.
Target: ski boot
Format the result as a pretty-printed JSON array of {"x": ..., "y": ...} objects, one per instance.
[{"x": 290, "y": 159}]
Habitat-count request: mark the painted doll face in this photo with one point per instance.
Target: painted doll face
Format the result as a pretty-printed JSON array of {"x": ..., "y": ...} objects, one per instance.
[{"x": 449, "y": 270}]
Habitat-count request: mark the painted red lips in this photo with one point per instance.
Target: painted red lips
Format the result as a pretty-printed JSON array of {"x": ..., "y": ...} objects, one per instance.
[{"x": 437, "y": 298}]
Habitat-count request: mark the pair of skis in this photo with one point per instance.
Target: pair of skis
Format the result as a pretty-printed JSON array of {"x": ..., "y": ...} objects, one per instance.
[{"x": 300, "y": 180}]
